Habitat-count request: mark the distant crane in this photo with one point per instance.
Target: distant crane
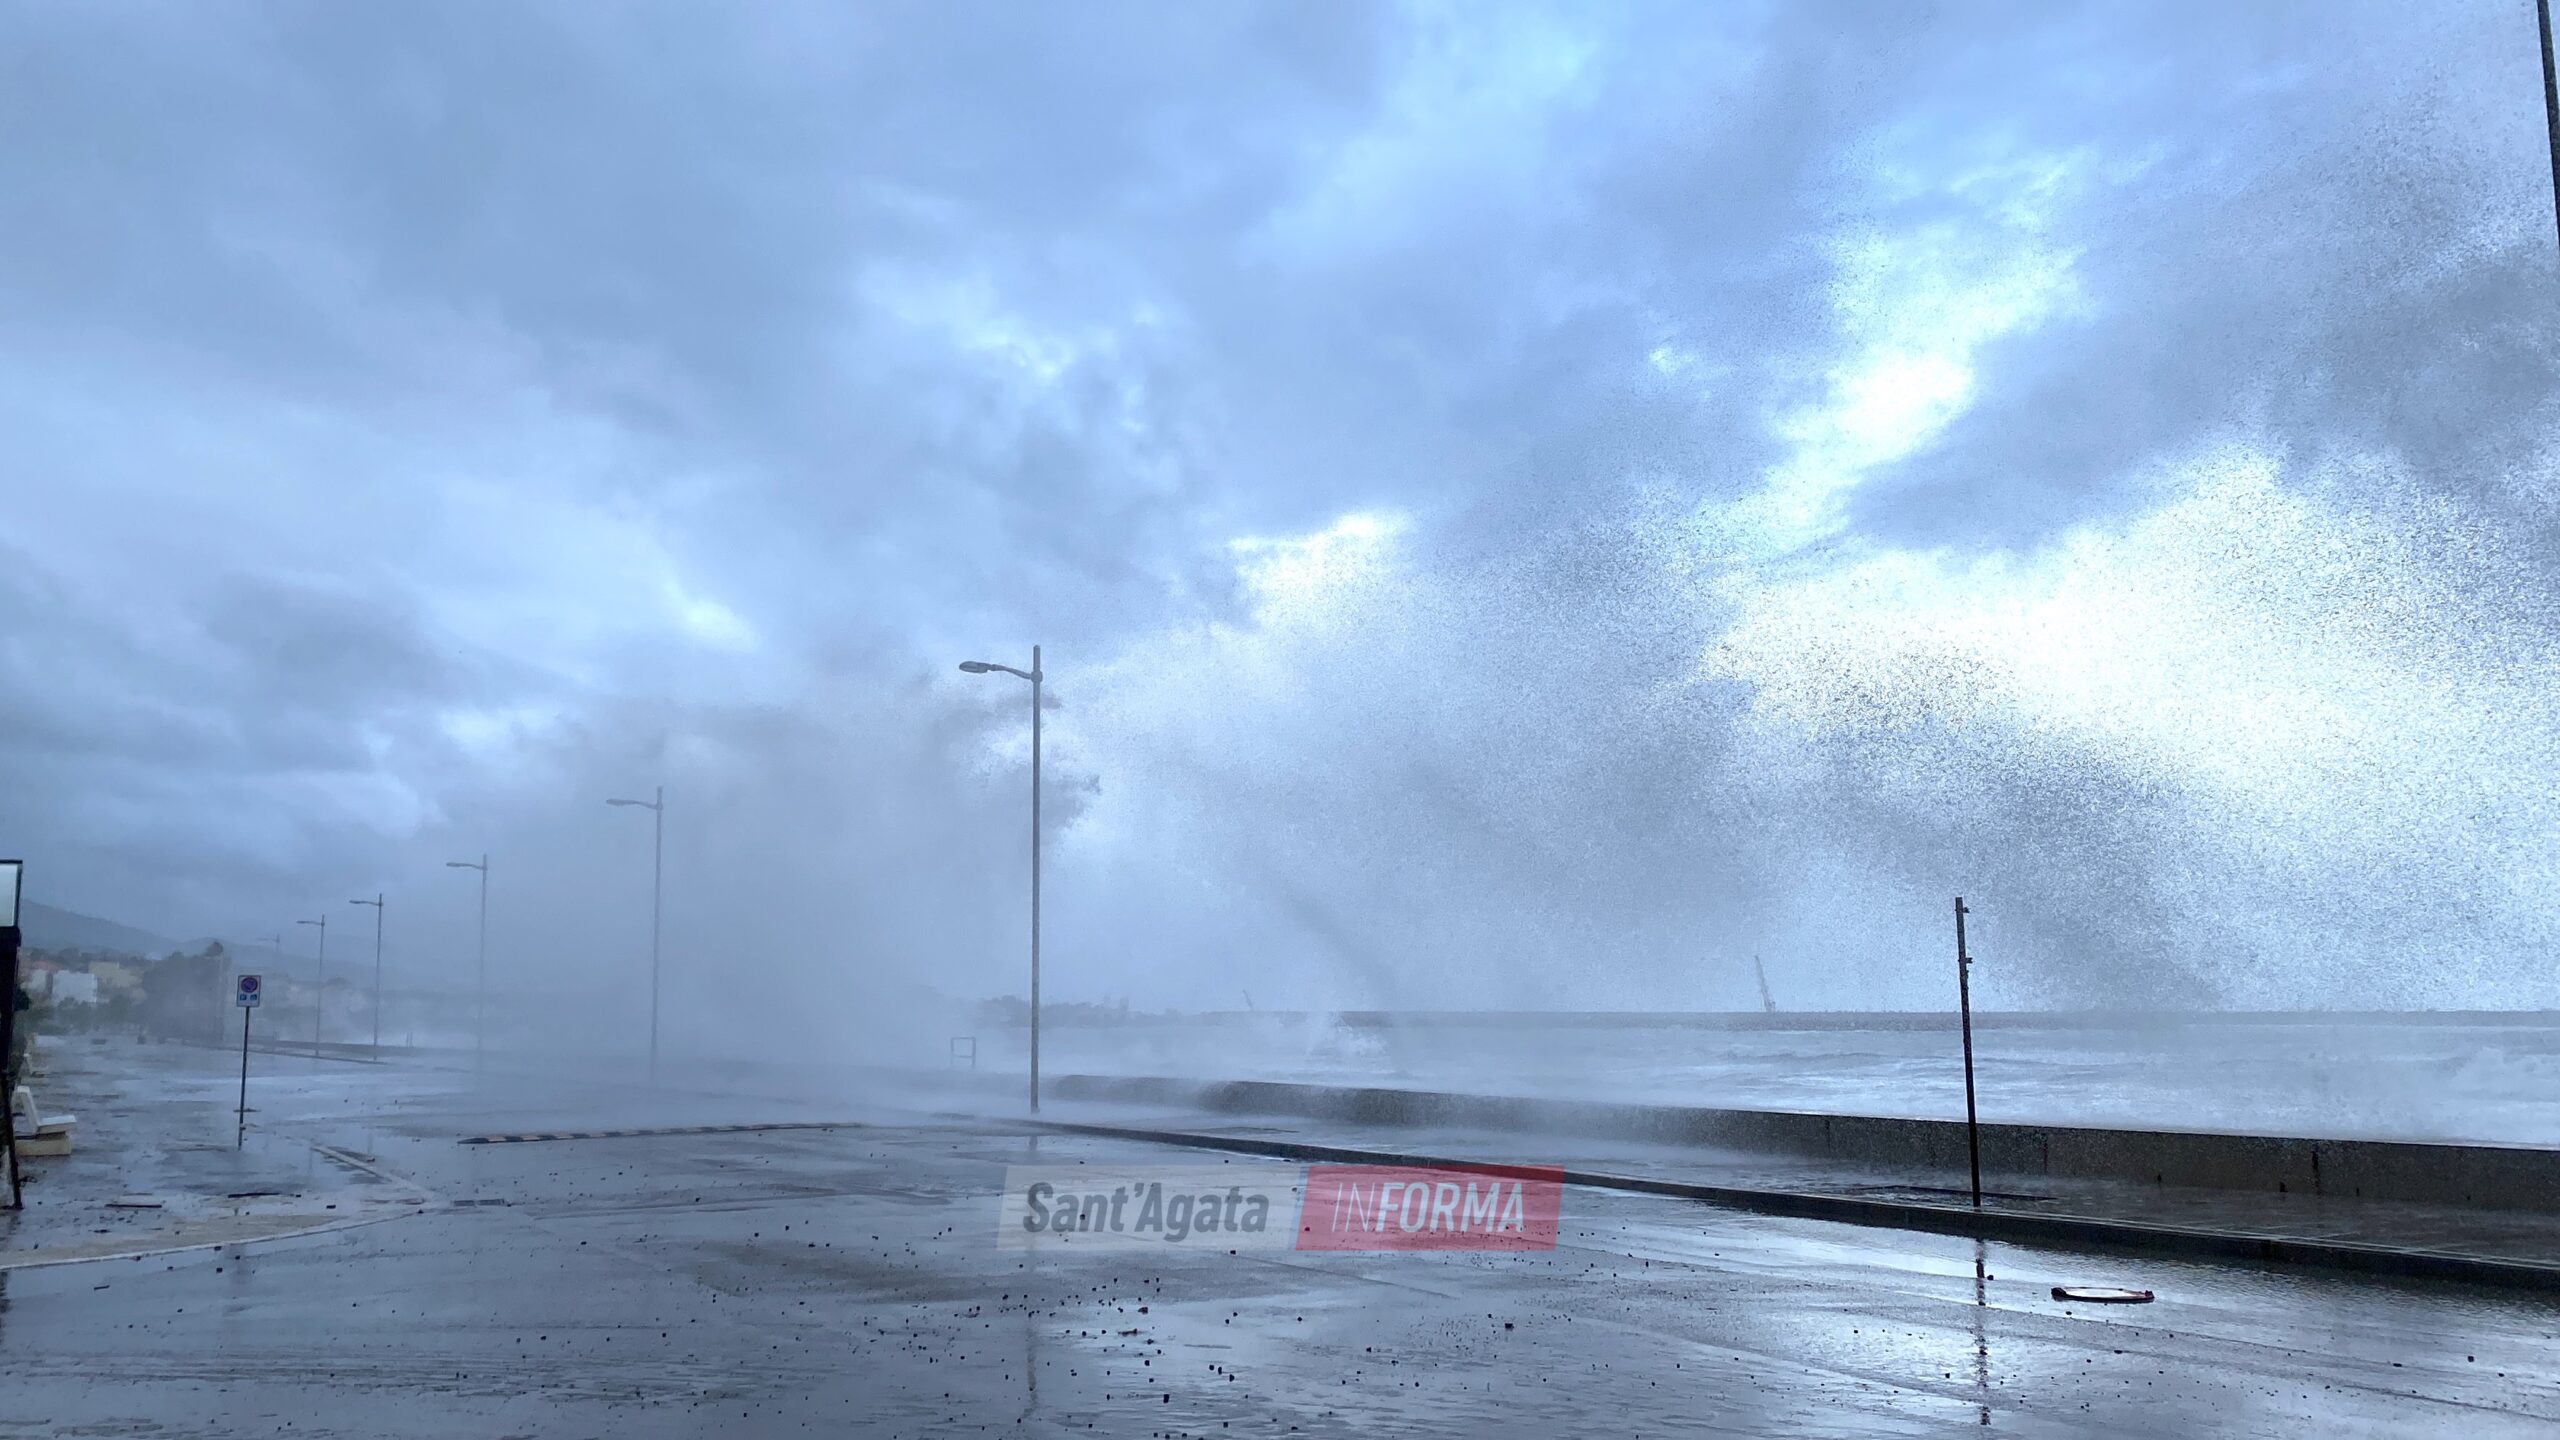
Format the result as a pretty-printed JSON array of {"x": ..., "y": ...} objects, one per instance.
[{"x": 1767, "y": 1005}]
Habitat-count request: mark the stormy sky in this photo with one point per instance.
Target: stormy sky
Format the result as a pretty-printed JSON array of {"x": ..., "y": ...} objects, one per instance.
[{"x": 1525, "y": 505}]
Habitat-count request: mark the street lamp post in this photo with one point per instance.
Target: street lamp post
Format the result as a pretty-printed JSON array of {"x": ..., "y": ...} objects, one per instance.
[
  {"x": 320, "y": 986},
  {"x": 480, "y": 987},
  {"x": 657, "y": 889},
  {"x": 376, "y": 903},
  {"x": 1034, "y": 675}
]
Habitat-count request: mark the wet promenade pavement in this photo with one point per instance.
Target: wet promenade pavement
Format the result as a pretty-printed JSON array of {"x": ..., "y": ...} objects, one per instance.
[{"x": 846, "y": 1279}]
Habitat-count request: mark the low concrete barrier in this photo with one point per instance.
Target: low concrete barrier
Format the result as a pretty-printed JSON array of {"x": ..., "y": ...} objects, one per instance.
[
  {"x": 2501, "y": 1177},
  {"x": 1993, "y": 1222}
]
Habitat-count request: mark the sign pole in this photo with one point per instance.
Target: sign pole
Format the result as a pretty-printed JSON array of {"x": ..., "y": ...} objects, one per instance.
[
  {"x": 245, "y": 994},
  {"x": 241, "y": 1139}
]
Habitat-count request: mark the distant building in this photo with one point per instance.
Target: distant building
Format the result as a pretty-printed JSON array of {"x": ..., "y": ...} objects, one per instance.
[
  {"x": 116, "y": 978},
  {"x": 36, "y": 976}
]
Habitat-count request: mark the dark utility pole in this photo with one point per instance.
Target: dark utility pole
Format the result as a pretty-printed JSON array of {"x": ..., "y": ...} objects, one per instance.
[
  {"x": 1964, "y": 1002},
  {"x": 2550, "y": 102},
  {"x": 12, "y": 873}
]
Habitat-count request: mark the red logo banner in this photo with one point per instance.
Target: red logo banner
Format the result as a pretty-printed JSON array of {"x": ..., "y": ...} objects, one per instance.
[{"x": 1394, "y": 1207}]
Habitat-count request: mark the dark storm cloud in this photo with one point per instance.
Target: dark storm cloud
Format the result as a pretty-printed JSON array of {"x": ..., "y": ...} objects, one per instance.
[{"x": 430, "y": 417}]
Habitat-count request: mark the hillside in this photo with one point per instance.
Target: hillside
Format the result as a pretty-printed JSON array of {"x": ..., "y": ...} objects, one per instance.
[{"x": 45, "y": 928}]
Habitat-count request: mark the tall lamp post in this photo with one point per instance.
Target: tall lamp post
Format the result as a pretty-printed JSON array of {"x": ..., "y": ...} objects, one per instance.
[
  {"x": 320, "y": 987},
  {"x": 657, "y": 809},
  {"x": 1034, "y": 675},
  {"x": 480, "y": 987},
  {"x": 376, "y": 903}
]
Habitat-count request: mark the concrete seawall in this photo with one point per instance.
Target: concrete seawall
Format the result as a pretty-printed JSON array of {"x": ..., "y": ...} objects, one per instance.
[{"x": 2501, "y": 1177}]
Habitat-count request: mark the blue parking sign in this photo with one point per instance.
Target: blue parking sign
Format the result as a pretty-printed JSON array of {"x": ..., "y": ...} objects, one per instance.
[{"x": 249, "y": 988}]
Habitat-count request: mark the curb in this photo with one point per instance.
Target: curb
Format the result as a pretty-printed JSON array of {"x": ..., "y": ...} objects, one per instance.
[{"x": 2004, "y": 1225}]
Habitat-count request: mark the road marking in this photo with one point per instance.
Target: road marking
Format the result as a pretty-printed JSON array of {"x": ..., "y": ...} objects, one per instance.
[
  {"x": 246, "y": 1224},
  {"x": 531, "y": 1136},
  {"x": 211, "y": 1233}
]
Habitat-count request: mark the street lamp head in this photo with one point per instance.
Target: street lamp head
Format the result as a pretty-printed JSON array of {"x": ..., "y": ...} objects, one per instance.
[
  {"x": 976, "y": 667},
  {"x": 374, "y": 903},
  {"x": 323, "y": 922}
]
